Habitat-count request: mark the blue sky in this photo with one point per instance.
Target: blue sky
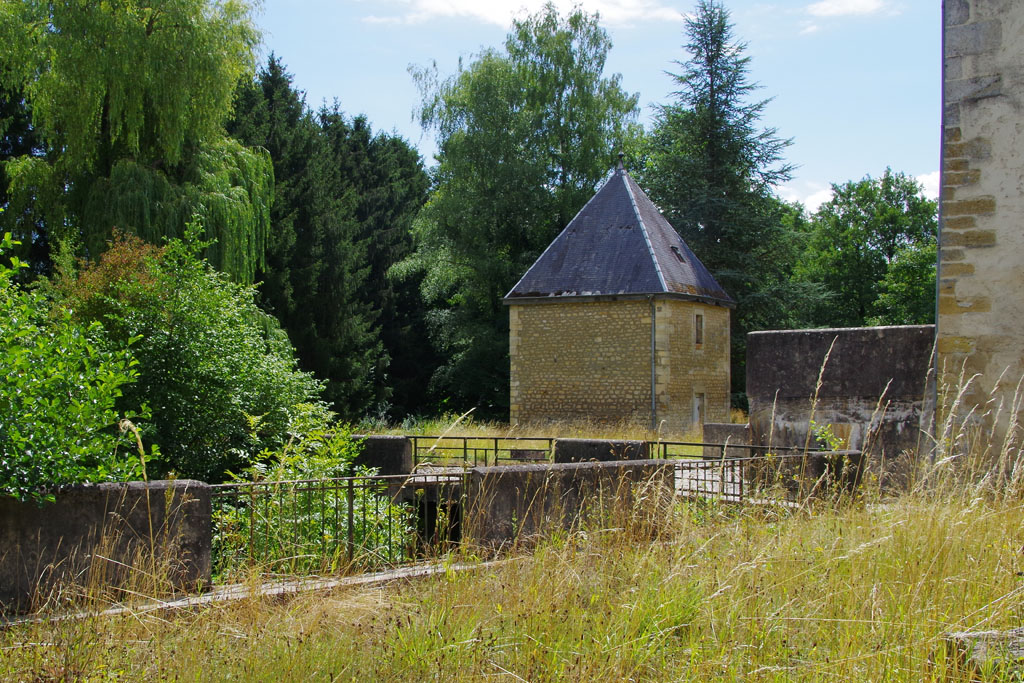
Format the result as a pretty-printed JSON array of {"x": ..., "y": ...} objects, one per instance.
[{"x": 856, "y": 83}]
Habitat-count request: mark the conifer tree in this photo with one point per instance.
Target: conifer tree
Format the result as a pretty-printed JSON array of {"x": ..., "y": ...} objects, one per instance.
[
  {"x": 711, "y": 168},
  {"x": 344, "y": 199}
]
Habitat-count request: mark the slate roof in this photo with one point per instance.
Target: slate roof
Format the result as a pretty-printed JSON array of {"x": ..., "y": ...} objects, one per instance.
[{"x": 619, "y": 244}]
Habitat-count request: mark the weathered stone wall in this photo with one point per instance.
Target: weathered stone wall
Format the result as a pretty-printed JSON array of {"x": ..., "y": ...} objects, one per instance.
[
  {"x": 726, "y": 433},
  {"x": 874, "y": 389},
  {"x": 389, "y": 455},
  {"x": 585, "y": 450},
  {"x": 588, "y": 359},
  {"x": 512, "y": 503},
  {"x": 95, "y": 533},
  {"x": 981, "y": 265}
]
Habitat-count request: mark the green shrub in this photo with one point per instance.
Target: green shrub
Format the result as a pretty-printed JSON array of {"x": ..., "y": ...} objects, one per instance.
[
  {"x": 58, "y": 415},
  {"x": 218, "y": 374},
  {"x": 292, "y": 514}
]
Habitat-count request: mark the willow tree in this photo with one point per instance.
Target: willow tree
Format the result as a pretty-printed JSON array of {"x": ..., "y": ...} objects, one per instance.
[{"x": 130, "y": 99}]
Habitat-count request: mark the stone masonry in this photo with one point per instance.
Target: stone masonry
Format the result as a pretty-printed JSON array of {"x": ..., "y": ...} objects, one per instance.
[
  {"x": 981, "y": 264},
  {"x": 592, "y": 360}
]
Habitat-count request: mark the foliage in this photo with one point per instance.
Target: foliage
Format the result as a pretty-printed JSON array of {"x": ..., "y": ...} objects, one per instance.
[
  {"x": 872, "y": 247},
  {"x": 217, "y": 373},
  {"x": 58, "y": 397},
  {"x": 19, "y": 138},
  {"x": 344, "y": 199},
  {"x": 711, "y": 170},
  {"x": 907, "y": 292},
  {"x": 524, "y": 136},
  {"x": 285, "y": 526},
  {"x": 129, "y": 99}
]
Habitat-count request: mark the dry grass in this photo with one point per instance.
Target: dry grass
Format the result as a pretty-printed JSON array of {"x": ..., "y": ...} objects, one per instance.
[
  {"x": 862, "y": 592},
  {"x": 456, "y": 425}
]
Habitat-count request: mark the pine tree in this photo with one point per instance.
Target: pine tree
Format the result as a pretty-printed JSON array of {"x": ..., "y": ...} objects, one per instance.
[
  {"x": 344, "y": 199},
  {"x": 712, "y": 169}
]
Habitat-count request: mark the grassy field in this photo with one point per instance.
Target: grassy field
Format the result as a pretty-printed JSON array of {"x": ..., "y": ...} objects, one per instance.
[{"x": 863, "y": 591}]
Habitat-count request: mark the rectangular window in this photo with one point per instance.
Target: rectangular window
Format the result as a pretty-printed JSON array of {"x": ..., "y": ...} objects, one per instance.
[{"x": 698, "y": 330}]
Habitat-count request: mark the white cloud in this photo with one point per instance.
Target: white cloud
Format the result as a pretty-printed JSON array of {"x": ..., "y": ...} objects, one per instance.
[
  {"x": 808, "y": 27},
  {"x": 810, "y": 194},
  {"x": 842, "y": 8},
  {"x": 931, "y": 182},
  {"x": 501, "y": 12}
]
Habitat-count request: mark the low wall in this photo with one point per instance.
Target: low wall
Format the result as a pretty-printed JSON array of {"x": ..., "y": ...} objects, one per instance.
[
  {"x": 512, "y": 503},
  {"x": 93, "y": 534},
  {"x": 726, "y": 433},
  {"x": 875, "y": 388},
  {"x": 388, "y": 454},
  {"x": 586, "y": 450}
]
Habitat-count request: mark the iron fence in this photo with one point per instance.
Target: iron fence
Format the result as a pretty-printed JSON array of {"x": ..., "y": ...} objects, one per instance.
[
  {"x": 357, "y": 522},
  {"x": 787, "y": 477},
  {"x": 469, "y": 451}
]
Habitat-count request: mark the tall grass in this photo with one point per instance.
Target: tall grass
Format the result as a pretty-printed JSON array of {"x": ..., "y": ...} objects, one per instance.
[
  {"x": 861, "y": 589},
  {"x": 863, "y": 592}
]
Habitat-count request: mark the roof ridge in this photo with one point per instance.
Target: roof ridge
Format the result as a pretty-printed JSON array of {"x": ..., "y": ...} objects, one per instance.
[{"x": 643, "y": 229}]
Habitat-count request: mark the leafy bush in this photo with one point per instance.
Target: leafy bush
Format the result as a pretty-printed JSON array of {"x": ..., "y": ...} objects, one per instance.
[
  {"x": 58, "y": 415},
  {"x": 291, "y": 513},
  {"x": 218, "y": 374}
]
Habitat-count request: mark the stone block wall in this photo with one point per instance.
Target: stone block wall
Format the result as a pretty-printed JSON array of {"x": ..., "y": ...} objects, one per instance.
[
  {"x": 875, "y": 390},
  {"x": 580, "y": 360},
  {"x": 981, "y": 262},
  {"x": 728, "y": 434},
  {"x": 591, "y": 359},
  {"x": 389, "y": 455},
  {"x": 96, "y": 533},
  {"x": 687, "y": 369}
]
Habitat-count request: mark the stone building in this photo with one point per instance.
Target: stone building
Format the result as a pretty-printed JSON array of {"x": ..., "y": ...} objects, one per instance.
[
  {"x": 618, "y": 320},
  {"x": 981, "y": 240}
]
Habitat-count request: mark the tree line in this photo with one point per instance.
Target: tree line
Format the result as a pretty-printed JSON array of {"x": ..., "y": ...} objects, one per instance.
[{"x": 382, "y": 277}]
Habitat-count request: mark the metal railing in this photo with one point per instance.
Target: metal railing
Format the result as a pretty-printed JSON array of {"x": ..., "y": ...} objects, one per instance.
[
  {"x": 332, "y": 524},
  {"x": 695, "y": 449},
  {"x": 471, "y": 451},
  {"x": 784, "y": 477}
]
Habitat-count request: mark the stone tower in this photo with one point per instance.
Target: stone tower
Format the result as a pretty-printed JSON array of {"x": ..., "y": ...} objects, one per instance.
[
  {"x": 618, "y": 320},
  {"x": 981, "y": 253}
]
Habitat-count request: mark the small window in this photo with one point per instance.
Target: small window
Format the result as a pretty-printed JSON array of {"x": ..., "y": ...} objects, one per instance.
[
  {"x": 698, "y": 329},
  {"x": 679, "y": 255}
]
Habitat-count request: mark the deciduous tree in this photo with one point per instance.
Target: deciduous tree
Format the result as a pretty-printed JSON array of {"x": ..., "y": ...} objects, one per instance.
[
  {"x": 872, "y": 248},
  {"x": 130, "y": 98},
  {"x": 524, "y": 135}
]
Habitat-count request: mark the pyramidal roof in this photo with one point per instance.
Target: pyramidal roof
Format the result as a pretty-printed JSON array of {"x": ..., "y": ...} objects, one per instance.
[{"x": 619, "y": 244}]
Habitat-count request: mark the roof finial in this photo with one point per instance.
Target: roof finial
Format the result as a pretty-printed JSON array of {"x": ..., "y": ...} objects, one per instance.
[{"x": 621, "y": 156}]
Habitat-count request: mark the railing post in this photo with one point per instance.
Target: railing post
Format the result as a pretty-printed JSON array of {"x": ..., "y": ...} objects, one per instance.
[
  {"x": 252, "y": 525},
  {"x": 351, "y": 519}
]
